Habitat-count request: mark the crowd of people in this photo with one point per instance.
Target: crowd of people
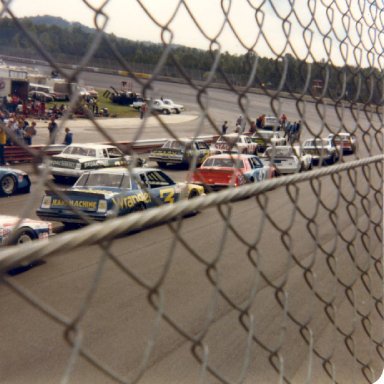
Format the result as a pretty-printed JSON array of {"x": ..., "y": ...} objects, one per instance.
[
  {"x": 292, "y": 130},
  {"x": 30, "y": 108}
]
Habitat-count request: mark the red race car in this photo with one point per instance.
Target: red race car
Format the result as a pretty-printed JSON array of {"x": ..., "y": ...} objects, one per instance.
[{"x": 231, "y": 170}]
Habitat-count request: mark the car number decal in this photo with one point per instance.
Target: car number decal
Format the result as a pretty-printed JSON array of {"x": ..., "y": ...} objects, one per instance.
[{"x": 167, "y": 195}]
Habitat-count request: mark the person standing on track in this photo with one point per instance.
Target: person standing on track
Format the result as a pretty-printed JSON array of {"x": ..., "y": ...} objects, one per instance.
[{"x": 52, "y": 128}]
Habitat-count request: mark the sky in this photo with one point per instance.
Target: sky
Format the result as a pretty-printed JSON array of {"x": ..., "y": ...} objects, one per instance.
[{"x": 337, "y": 31}]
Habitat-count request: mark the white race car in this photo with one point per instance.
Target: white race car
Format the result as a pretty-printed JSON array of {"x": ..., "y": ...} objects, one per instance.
[
  {"x": 14, "y": 230},
  {"x": 323, "y": 151},
  {"x": 233, "y": 142},
  {"x": 75, "y": 159},
  {"x": 284, "y": 159}
]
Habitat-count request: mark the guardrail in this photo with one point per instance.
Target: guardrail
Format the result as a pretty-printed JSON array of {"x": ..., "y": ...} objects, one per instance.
[{"x": 24, "y": 154}]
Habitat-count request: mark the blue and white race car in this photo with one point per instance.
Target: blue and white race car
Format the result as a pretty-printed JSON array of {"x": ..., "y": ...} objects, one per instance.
[
  {"x": 13, "y": 181},
  {"x": 14, "y": 230},
  {"x": 102, "y": 194}
]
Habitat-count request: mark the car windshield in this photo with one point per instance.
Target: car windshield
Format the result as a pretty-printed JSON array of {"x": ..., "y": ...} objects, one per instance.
[
  {"x": 174, "y": 144},
  {"x": 114, "y": 152},
  {"x": 279, "y": 152},
  {"x": 80, "y": 151},
  {"x": 223, "y": 163},
  {"x": 103, "y": 180}
]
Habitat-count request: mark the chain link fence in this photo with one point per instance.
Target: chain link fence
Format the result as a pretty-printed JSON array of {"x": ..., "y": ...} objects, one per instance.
[{"x": 279, "y": 281}]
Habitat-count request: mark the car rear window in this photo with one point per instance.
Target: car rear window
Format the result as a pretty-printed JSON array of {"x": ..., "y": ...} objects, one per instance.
[
  {"x": 102, "y": 180},
  {"x": 223, "y": 163}
]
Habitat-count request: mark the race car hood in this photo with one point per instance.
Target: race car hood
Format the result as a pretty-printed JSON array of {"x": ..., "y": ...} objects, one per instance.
[{"x": 80, "y": 159}]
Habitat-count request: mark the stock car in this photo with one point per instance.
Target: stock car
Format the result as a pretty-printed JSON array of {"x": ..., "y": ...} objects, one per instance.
[
  {"x": 324, "y": 151},
  {"x": 14, "y": 230},
  {"x": 346, "y": 141},
  {"x": 181, "y": 151},
  {"x": 231, "y": 170},
  {"x": 75, "y": 159},
  {"x": 270, "y": 134},
  {"x": 106, "y": 193},
  {"x": 233, "y": 142},
  {"x": 288, "y": 159},
  {"x": 13, "y": 181}
]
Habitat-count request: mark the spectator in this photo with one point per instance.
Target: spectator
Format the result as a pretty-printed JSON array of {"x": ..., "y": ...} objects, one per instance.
[
  {"x": 259, "y": 121},
  {"x": 3, "y": 141},
  {"x": 91, "y": 105},
  {"x": 143, "y": 110},
  {"x": 224, "y": 128},
  {"x": 52, "y": 128},
  {"x": 241, "y": 123},
  {"x": 298, "y": 130},
  {"x": 252, "y": 127},
  {"x": 29, "y": 132},
  {"x": 42, "y": 110},
  {"x": 283, "y": 120},
  {"x": 96, "y": 105},
  {"x": 68, "y": 136},
  {"x": 287, "y": 130}
]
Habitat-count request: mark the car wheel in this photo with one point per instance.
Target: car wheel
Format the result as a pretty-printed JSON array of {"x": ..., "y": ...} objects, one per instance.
[
  {"x": 161, "y": 164},
  {"x": 192, "y": 195},
  {"x": 7, "y": 185},
  {"x": 165, "y": 112},
  {"x": 22, "y": 236},
  {"x": 177, "y": 111}
]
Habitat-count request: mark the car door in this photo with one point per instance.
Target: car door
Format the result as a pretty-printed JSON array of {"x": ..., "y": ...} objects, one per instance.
[
  {"x": 258, "y": 170},
  {"x": 115, "y": 157},
  {"x": 161, "y": 187}
]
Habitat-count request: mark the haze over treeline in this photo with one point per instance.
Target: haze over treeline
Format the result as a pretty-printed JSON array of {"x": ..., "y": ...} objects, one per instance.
[{"x": 68, "y": 42}]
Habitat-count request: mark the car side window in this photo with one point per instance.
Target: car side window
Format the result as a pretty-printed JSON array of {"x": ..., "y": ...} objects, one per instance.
[
  {"x": 158, "y": 179},
  {"x": 126, "y": 182},
  {"x": 114, "y": 153}
]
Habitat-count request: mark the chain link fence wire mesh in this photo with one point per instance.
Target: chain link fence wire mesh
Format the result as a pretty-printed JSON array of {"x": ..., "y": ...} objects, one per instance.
[{"x": 278, "y": 281}]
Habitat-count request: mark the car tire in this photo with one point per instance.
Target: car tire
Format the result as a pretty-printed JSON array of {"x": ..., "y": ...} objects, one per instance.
[
  {"x": 165, "y": 112},
  {"x": 161, "y": 164},
  {"x": 8, "y": 185},
  {"x": 192, "y": 195},
  {"x": 177, "y": 111},
  {"x": 23, "y": 235}
]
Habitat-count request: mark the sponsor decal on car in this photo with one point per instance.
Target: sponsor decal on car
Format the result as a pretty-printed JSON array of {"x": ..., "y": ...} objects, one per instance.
[
  {"x": 132, "y": 200},
  {"x": 74, "y": 203}
]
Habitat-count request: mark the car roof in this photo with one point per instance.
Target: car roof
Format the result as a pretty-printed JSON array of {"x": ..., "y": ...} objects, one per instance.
[
  {"x": 232, "y": 156},
  {"x": 91, "y": 145},
  {"x": 122, "y": 170},
  {"x": 234, "y": 134},
  {"x": 185, "y": 140}
]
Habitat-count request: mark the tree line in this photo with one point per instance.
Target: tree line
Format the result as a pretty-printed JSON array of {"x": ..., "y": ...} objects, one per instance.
[{"x": 66, "y": 42}]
